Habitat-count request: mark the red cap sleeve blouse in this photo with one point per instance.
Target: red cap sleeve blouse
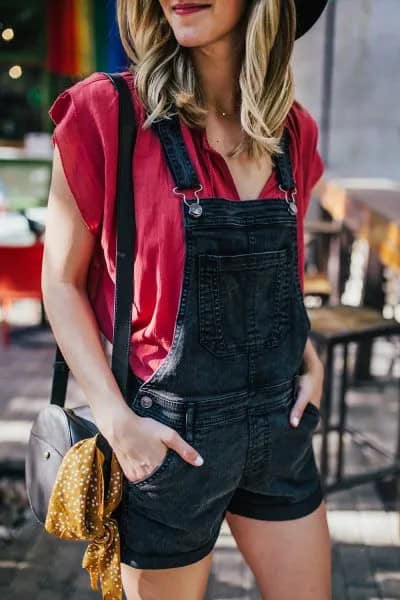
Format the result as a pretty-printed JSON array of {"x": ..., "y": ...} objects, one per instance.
[{"x": 86, "y": 119}]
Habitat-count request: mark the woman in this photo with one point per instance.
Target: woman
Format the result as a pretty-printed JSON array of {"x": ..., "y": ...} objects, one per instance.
[{"x": 219, "y": 422}]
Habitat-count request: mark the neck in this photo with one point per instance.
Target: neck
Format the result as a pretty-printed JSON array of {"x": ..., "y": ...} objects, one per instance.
[{"x": 217, "y": 66}]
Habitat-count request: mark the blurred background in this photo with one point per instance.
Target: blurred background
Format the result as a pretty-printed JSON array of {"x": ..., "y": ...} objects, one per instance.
[{"x": 347, "y": 73}]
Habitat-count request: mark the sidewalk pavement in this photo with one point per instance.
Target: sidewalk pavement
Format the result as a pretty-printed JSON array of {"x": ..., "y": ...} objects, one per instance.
[{"x": 365, "y": 533}]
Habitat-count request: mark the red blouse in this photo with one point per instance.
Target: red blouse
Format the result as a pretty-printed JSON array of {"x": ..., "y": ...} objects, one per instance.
[{"x": 86, "y": 118}]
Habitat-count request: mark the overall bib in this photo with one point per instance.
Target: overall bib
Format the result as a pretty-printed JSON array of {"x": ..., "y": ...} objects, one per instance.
[{"x": 230, "y": 377}]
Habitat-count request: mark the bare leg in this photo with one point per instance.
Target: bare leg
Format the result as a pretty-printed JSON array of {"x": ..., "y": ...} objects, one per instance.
[
  {"x": 289, "y": 559},
  {"x": 180, "y": 583}
]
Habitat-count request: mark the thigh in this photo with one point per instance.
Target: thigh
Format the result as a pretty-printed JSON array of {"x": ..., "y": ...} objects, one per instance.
[
  {"x": 287, "y": 555},
  {"x": 180, "y": 583}
]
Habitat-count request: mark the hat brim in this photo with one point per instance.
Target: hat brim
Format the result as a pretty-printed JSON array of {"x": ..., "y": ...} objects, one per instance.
[{"x": 308, "y": 13}]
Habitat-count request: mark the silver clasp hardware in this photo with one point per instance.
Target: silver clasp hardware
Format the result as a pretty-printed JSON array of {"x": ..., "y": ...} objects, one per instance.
[
  {"x": 195, "y": 210},
  {"x": 291, "y": 202}
]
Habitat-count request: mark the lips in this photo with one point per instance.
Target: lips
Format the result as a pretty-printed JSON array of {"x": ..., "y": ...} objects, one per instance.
[{"x": 189, "y": 7}]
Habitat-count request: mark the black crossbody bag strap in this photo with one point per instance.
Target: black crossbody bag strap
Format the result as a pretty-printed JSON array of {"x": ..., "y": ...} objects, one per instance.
[{"x": 125, "y": 222}]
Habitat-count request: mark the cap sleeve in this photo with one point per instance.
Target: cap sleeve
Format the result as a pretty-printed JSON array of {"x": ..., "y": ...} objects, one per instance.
[
  {"x": 308, "y": 164},
  {"x": 78, "y": 140},
  {"x": 315, "y": 165}
]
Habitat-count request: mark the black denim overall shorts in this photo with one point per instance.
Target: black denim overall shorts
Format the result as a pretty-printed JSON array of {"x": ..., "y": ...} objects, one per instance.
[{"x": 230, "y": 378}]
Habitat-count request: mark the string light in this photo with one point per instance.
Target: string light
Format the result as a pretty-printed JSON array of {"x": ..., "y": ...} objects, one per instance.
[
  {"x": 7, "y": 34},
  {"x": 15, "y": 72}
]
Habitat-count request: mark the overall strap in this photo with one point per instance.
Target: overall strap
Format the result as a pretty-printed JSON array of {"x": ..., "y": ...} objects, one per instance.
[
  {"x": 175, "y": 151},
  {"x": 182, "y": 169},
  {"x": 126, "y": 227},
  {"x": 284, "y": 169}
]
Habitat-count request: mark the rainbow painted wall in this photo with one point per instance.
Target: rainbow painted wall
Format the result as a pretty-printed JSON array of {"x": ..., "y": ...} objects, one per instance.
[{"x": 83, "y": 37}]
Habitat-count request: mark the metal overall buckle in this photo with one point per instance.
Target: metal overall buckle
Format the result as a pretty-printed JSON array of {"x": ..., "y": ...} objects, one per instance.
[
  {"x": 195, "y": 209},
  {"x": 291, "y": 202}
]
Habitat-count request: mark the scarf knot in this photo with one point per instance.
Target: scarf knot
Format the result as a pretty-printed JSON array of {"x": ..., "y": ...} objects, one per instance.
[{"x": 78, "y": 511}]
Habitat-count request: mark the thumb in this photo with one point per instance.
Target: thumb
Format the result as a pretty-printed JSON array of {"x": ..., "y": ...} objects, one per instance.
[
  {"x": 297, "y": 410},
  {"x": 173, "y": 440}
]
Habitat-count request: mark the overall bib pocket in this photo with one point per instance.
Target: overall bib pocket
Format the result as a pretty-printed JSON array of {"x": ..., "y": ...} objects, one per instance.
[{"x": 243, "y": 301}]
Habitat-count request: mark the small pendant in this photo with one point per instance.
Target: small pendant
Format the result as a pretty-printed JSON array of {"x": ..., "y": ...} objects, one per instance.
[
  {"x": 292, "y": 208},
  {"x": 195, "y": 210}
]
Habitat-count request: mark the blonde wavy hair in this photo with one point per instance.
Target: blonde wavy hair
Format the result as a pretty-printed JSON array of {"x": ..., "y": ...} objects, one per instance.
[{"x": 166, "y": 81}]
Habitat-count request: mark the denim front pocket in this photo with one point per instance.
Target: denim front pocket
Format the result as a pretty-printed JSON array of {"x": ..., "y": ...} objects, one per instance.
[
  {"x": 313, "y": 409},
  {"x": 291, "y": 448},
  {"x": 164, "y": 414},
  {"x": 243, "y": 300},
  {"x": 157, "y": 472}
]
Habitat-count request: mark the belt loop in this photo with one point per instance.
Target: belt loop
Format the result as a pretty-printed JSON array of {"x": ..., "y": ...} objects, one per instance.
[
  {"x": 296, "y": 381},
  {"x": 189, "y": 421},
  {"x": 134, "y": 385}
]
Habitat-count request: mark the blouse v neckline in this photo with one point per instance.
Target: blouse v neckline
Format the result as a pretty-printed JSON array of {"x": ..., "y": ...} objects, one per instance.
[{"x": 269, "y": 185}]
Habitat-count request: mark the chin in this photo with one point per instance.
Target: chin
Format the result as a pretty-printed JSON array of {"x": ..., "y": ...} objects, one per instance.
[{"x": 191, "y": 40}]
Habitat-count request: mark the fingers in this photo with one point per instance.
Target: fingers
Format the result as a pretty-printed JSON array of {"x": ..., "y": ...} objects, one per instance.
[
  {"x": 185, "y": 450},
  {"x": 142, "y": 469},
  {"x": 304, "y": 396},
  {"x": 297, "y": 410}
]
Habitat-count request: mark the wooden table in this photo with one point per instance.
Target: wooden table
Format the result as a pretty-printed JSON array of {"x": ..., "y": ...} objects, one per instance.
[{"x": 370, "y": 209}]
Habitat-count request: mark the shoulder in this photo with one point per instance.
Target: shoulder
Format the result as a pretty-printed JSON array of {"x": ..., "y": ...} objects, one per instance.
[{"x": 93, "y": 98}]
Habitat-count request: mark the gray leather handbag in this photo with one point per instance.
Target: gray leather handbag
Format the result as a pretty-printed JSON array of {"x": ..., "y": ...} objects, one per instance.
[{"x": 57, "y": 428}]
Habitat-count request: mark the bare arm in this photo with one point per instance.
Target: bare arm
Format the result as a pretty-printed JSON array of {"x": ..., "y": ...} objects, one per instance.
[{"x": 68, "y": 250}]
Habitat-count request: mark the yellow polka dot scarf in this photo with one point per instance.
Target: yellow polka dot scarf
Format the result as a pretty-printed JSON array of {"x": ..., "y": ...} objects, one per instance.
[{"x": 77, "y": 511}]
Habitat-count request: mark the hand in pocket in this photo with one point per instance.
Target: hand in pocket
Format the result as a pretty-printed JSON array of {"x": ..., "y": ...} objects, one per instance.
[{"x": 141, "y": 445}]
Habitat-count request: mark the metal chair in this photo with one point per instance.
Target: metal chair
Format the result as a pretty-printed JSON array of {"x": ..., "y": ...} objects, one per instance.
[{"x": 342, "y": 325}]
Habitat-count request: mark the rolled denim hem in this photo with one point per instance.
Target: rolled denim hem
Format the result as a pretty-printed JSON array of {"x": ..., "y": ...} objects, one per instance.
[
  {"x": 145, "y": 561},
  {"x": 277, "y": 512}
]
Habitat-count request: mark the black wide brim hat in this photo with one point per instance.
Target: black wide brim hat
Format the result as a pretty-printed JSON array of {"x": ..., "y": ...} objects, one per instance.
[{"x": 308, "y": 13}]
